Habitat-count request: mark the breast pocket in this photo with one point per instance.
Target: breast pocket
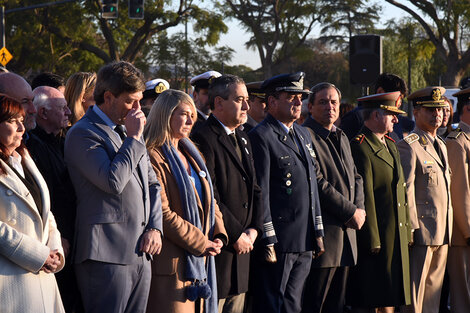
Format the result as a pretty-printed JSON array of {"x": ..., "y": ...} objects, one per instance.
[{"x": 430, "y": 175}]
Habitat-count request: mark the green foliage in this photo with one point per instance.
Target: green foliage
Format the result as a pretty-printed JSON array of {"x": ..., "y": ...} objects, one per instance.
[
  {"x": 70, "y": 37},
  {"x": 342, "y": 19}
]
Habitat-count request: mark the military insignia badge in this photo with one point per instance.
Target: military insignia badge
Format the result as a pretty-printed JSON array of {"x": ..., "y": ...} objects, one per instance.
[
  {"x": 160, "y": 87},
  {"x": 310, "y": 150},
  {"x": 436, "y": 94}
]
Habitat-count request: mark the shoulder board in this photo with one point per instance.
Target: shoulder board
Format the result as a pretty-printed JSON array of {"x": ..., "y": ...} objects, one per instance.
[
  {"x": 389, "y": 138},
  {"x": 359, "y": 138},
  {"x": 455, "y": 133},
  {"x": 411, "y": 138}
]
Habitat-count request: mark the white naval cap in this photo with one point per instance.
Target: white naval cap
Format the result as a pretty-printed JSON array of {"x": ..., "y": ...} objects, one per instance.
[{"x": 203, "y": 80}]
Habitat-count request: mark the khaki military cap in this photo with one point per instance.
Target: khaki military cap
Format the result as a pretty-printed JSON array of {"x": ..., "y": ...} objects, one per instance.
[{"x": 429, "y": 97}]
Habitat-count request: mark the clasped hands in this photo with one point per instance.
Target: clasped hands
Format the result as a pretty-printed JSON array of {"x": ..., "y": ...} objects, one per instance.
[
  {"x": 245, "y": 242},
  {"x": 357, "y": 220},
  {"x": 52, "y": 262},
  {"x": 151, "y": 242}
]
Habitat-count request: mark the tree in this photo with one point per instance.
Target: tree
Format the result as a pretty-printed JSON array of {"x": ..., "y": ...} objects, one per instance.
[
  {"x": 343, "y": 19},
  {"x": 277, "y": 27},
  {"x": 75, "y": 31},
  {"x": 449, "y": 32}
]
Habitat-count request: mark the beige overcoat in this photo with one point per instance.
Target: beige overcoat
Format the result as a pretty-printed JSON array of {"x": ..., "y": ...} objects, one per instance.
[
  {"x": 26, "y": 239},
  {"x": 167, "y": 291}
]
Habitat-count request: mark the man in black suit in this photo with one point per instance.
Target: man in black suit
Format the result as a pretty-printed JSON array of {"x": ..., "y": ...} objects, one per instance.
[
  {"x": 201, "y": 96},
  {"x": 257, "y": 105},
  {"x": 286, "y": 173},
  {"x": 326, "y": 285},
  {"x": 228, "y": 155}
]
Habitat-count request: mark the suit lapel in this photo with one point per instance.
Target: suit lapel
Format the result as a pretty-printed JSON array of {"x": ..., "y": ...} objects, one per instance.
[
  {"x": 116, "y": 141},
  {"x": 16, "y": 186},
  {"x": 283, "y": 136},
  {"x": 226, "y": 143},
  {"x": 379, "y": 149}
]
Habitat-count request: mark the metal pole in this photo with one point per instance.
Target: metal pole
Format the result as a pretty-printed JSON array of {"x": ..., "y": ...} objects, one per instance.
[{"x": 2, "y": 16}]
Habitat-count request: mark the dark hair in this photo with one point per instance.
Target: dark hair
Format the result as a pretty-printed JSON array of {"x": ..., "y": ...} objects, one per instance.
[
  {"x": 391, "y": 82},
  {"x": 48, "y": 79},
  {"x": 220, "y": 87},
  {"x": 9, "y": 108},
  {"x": 461, "y": 102},
  {"x": 118, "y": 77},
  {"x": 322, "y": 86}
]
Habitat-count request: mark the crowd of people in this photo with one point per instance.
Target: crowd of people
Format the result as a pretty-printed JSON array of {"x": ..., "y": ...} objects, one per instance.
[{"x": 120, "y": 195}]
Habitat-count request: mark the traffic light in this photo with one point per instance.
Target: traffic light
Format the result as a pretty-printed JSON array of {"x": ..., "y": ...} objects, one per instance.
[
  {"x": 136, "y": 9},
  {"x": 109, "y": 8}
]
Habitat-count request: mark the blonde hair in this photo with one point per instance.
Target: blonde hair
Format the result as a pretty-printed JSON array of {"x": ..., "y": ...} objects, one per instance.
[
  {"x": 157, "y": 131},
  {"x": 78, "y": 85}
]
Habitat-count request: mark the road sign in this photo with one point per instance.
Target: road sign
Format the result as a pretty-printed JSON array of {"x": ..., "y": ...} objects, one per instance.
[{"x": 5, "y": 56}]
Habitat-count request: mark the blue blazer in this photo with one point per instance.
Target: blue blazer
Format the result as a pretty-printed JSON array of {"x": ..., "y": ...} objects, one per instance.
[
  {"x": 118, "y": 195},
  {"x": 287, "y": 177}
]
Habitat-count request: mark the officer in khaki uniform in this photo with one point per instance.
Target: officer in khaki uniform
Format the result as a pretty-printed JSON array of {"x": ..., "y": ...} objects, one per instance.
[
  {"x": 458, "y": 147},
  {"x": 425, "y": 164}
]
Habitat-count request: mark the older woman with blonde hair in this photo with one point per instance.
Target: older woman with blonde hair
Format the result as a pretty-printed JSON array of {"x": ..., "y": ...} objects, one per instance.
[
  {"x": 183, "y": 275},
  {"x": 79, "y": 94}
]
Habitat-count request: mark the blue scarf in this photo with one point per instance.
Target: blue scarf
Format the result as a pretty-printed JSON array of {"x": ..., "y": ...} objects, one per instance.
[{"x": 202, "y": 276}]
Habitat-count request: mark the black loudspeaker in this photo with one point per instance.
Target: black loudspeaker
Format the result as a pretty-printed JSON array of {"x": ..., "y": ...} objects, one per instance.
[{"x": 365, "y": 59}]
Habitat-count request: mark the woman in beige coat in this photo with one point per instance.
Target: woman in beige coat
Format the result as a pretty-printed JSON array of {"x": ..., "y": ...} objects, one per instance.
[
  {"x": 30, "y": 247},
  {"x": 192, "y": 223}
]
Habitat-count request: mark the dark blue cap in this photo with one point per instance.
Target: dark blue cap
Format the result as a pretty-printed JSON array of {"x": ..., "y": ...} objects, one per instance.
[{"x": 286, "y": 82}]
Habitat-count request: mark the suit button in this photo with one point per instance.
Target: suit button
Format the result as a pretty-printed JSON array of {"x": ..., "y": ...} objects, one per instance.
[
  {"x": 398, "y": 204},
  {"x": 401, "y": 224},
  {"x": 245, "y": 205},
  {"x": 426, "y": 202},
  {"x": 12, "y": 221},
  {"x": 9, "y": 192}
]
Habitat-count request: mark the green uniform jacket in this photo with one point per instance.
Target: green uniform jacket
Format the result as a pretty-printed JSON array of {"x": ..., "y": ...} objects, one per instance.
[{"x": 382, "y": 279}]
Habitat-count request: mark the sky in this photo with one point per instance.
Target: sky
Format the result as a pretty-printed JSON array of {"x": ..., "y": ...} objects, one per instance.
[{"x": 236, "y": 37}]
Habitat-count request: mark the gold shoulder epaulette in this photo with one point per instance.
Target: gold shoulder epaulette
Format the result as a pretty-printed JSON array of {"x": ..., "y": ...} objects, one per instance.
[
  {"x": 359, "y": 138},
  {"x": 411, "y": 138},
  {"x": 455, "y": 133}
]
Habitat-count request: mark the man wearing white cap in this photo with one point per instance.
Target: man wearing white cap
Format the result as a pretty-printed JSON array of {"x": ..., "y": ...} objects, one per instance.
[
  {"x": 201, "y": 96},
  {"x": 153, "y": 88}
]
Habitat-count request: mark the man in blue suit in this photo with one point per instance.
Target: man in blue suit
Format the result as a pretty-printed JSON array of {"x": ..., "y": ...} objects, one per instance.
[
  {"x": 285, "y": 170},
  {"x": 118, "y": 224}
]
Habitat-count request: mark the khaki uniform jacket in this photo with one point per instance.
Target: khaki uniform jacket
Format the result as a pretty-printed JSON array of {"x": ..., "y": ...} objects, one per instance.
[
  {"x": 458, "y": 147},
  {"x": 167, "y": 292},
  {"x": 428, "y": 188}
]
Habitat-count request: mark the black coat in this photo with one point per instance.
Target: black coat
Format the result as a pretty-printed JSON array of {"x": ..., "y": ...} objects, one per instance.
[
  {"x": 287, "y": 177},
  {"x": 47, "y": 151},
  {"x": 339, "y": 170},
  {"x": 238, "y": 197},
  {"x": 249, "y": 125},
  {"x": 198, "y": 124}
]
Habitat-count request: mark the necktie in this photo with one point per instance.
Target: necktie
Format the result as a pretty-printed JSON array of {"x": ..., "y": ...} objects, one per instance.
[
  {"x": 292, "y": 137},
  {"x": 121, "y": 132},
  {"x": 234, "y": 140},
  {"x": 438, "y": 150}
]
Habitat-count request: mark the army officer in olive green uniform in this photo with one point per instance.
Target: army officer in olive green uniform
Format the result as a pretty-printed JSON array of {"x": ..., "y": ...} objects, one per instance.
[{"x": 380, "y": 281}]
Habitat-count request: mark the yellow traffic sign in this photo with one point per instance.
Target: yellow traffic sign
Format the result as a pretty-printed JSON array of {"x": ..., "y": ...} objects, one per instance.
[{"x": 5, "y": 56}]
